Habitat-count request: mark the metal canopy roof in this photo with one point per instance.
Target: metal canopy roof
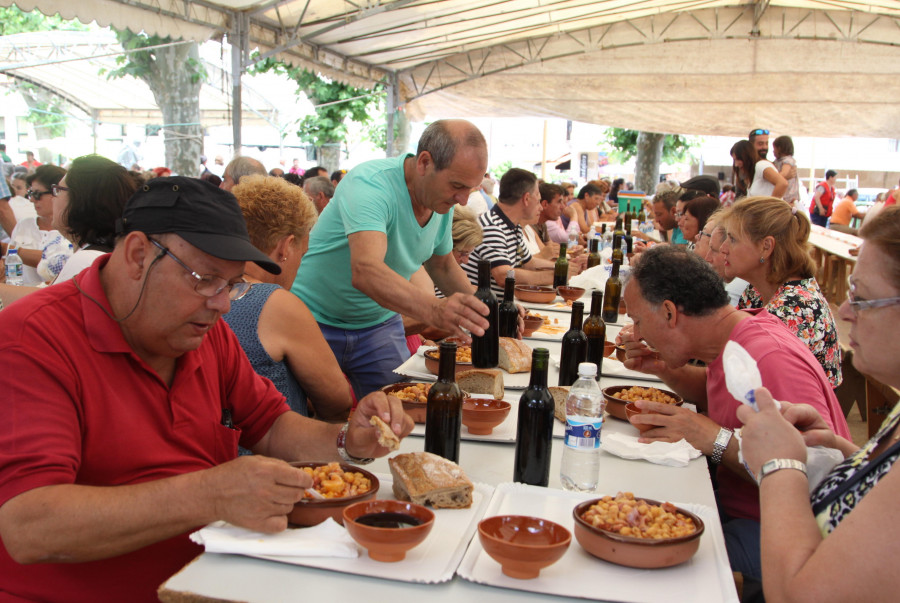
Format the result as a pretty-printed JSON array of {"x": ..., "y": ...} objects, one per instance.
[{"x": 802, "y": 67}]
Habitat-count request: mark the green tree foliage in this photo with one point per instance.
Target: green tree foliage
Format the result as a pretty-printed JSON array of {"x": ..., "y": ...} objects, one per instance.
[
  {"x": 145, "y": 64},
  {"x": 676, "y": 148},
  {"x": 335, "y": 103},
  {"x": 498, "y": 170},
  {"x": 14, "y": 20}
]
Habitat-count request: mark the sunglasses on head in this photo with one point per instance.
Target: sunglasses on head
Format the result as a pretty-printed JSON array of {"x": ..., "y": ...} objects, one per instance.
[{"x": 759, "y": 133}]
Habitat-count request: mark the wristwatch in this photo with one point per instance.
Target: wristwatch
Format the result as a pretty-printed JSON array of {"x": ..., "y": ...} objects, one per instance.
[
  {"x": 777, "y": 465},
  {"x": 720, "y": 445},
  {"x": 342, "y": 448}
]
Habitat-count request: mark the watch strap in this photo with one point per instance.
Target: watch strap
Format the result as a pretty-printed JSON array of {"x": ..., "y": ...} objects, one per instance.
[
  {"x": 774, "y": 465},
  {"x": 342, "y": 448},
  {"x": 721, "y": 445}
]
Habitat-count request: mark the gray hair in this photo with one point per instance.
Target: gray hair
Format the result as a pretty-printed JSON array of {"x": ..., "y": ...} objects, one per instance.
[
  {"x": 318, "y": 184},
  {"x": 239, "y": 167},
  {"x": 667, "y": 272},
  {"x": 442, "y": 143}
]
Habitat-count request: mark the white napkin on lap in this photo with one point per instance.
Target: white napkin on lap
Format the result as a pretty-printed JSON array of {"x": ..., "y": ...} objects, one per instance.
[
  {"x": 677, "y": 454},
  {"x": 328, "y": 539}
]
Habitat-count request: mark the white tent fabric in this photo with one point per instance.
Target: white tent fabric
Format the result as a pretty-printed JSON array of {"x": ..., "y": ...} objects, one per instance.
[{"x": 716, "y": 67}]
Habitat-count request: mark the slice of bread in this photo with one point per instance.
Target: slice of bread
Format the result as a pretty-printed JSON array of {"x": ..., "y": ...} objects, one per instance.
[
  {"x": 515, "y": 355},
  {"x": 386, "y": 435},
  {"x": 481, "y": 381},
  {"x": 559, "y": 393},
  {"x": 425, "y": 478}
]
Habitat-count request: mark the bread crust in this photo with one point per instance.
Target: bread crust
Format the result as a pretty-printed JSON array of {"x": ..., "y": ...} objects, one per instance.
[
  {"x": 515, "y": 355},
  {"x": 425, "y": 478},
  {"x": 559, "y": 393},
  {"x": 481, "y": 381}
]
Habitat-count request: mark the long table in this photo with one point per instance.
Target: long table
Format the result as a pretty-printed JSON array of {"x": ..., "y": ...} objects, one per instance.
[
  {"x": 236, "y": 578},
  {"x": 831, "y": 251}
]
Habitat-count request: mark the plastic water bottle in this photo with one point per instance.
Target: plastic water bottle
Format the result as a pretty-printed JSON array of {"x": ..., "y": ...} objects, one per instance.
[
  {"x": 580, "y": 468},
  {"x": 14, "y": 268},
  {"x": 574, "y": 231}
]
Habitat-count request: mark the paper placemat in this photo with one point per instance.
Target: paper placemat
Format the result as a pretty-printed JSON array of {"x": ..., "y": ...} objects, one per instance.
[
  {"x": 505, "y": 432},
  {"x": 433, "y": 561},
  {"x": 705, "y": 577}
]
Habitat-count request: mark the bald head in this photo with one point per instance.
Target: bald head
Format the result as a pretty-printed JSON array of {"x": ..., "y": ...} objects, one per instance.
[{"x": 445, "y": 138}]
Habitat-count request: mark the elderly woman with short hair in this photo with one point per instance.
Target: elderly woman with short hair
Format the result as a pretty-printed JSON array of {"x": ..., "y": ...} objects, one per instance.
[{"x": 276, "y": 329}]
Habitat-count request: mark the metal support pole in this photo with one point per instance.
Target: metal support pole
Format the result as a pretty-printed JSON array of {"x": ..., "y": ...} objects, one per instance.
[
  {"x": 94, "y": 115},
  {"x": 392, "y": 104},
  {"x": 238, "y": 57}
]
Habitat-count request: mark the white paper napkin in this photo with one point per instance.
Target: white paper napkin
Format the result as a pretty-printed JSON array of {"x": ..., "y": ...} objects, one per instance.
[
  {"x": 677, "y": 454},
  {"x": 328, "y": 539}
]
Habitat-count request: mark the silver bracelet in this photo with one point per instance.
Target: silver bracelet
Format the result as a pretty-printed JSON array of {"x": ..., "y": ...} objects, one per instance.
[
  {"x": 720, "y": 445},
  {"x": 342, "y": 448},
  {"x": 774, "y": 465}
]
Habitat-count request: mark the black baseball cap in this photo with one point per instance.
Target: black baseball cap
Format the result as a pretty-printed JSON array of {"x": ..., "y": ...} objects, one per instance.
[{"x": 205, "y": 216}]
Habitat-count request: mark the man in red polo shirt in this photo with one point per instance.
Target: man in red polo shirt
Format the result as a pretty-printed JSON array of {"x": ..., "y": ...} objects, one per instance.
[
  {"x": 823, "y": 200},
  {"x": 125, "y": 398}
]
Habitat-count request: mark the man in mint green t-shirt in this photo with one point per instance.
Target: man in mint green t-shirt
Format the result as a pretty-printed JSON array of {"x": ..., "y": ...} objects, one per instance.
[{"x": 387, "y": 218}]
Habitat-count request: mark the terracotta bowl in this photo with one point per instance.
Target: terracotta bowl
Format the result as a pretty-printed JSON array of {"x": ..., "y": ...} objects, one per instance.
[
  {"x": 644, "y": 553},
  {"x": 414, "y": 409},
  {"x": 608, "y": 349},
  {"x": 522, "y": 545},
  {"x": 535, "y": 294},
  {"x": 313, "y": 511},
  {"x": 570, "y": 293},
  {"x": 616, "y": 406},
  {"x": 532, "y": 324},
  {"x": 630, "y": 410},
  {"x": 481, "y": 415},
  {"x": 620, "y": 353},
  {"x": 433, "y": 362},
  {"x": 388, "y": 544}
]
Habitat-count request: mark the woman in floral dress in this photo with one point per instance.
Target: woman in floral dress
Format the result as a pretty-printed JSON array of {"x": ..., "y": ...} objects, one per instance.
[{"x": 767, "y": 247}]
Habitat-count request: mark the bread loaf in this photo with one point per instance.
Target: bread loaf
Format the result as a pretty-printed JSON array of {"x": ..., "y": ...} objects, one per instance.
[
  {"x": 515, "y": 355},
  {"x": 481, "y": 381},
  {"x": 425, "y": 478},
  {"x": 559, "y": 399}
]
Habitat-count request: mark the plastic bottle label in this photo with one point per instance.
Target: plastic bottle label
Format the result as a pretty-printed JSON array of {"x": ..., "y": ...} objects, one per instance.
[{"x": 583, "y": 432}]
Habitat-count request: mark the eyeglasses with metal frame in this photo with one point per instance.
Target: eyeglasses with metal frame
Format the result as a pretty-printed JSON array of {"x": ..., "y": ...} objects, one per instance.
[
  {"x": 857, "y": 305},
  {"x": 209, "y": 285}
]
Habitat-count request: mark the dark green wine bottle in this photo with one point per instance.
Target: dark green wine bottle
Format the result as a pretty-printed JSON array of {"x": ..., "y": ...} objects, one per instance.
[
  {"x": 443, "y": 411},
  {"x": 612, "y": 295},
  {"x": 486, "y": 348},
  {"x": 595, "y": 330},
  {"x": 509, "y": 312},
  {"x": 593, "y": 252},
  {"x": 561, "y": 270},
  {"x": 534, "y": 432},
  {"x": 574, "y": 347}
]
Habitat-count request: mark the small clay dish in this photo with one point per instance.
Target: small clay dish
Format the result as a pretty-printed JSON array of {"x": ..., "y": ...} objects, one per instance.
[
  {"x": 631, "y": 409},
  {"x": 313, "y": 511},
  {"x": 535, "y": 294},
  {"x": 532, "y": 324},
  {"x": 433, "y": 361},
  {"x": 414, "y": 408},
  {"x": 523, "y": 545},
  {"x": 388, "y": 528},
  {"x": 570, "y": 293},
  {"x": 620, "y": 353},
  {"x": 616, "y": 406},
  {"x": 643, "y": 553},
  {"x": 608, "y": 349},
  {"x": 481, "y": 415}
]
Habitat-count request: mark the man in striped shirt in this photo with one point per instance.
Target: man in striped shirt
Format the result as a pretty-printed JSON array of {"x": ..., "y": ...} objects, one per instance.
[{"x": 504, "y": 243}]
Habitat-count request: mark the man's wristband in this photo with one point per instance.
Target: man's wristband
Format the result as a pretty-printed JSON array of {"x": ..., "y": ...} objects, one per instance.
[
  {"x": 720, "y": 445},
  {"x": 777, "y": 465},
  {"x": 342, "y": 448}
]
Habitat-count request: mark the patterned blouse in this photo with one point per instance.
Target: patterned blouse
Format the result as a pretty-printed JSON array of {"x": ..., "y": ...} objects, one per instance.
[
  {"x": 801, "y": 306},
  {"x": 842, "y": 489}
]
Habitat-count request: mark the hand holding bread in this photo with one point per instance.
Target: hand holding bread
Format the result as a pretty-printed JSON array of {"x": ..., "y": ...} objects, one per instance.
[{"x": 363, "y": 435}]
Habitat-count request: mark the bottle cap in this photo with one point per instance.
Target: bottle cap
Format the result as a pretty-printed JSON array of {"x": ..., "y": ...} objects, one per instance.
[{"x": 587, "y": 369}]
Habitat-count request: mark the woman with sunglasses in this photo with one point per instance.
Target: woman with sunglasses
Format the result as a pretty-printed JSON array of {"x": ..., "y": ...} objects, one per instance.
[
  {"x": 767, "y": 246},
  {"x": 30, "y": 234},
  {"x": 87, "y": 203},
  {"x": 836, "y": 543}
]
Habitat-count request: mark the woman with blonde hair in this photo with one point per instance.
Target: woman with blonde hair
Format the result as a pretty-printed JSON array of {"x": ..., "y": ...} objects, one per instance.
[
  {"x": 275, "y": 328},
  {"x": 766, "y": 245}
]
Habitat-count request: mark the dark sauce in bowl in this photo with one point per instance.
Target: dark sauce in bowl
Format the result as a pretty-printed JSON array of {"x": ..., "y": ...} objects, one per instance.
[{"x": 388, "y": 520}]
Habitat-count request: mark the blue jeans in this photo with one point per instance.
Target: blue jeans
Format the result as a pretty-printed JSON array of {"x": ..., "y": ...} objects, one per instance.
[
  {"x": 369, "y": 356},
  {"x": 819, "y": 219},
  {"x": 742, "y": 545}
]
